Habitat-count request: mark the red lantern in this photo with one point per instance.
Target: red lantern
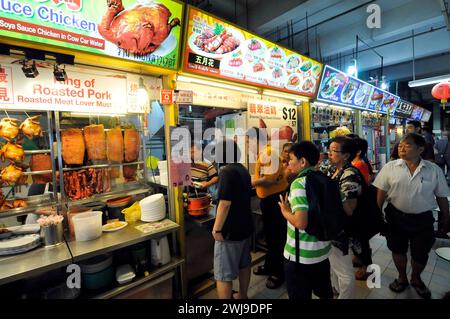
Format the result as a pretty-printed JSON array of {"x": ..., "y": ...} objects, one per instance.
[{"x": 441, "y": 91}]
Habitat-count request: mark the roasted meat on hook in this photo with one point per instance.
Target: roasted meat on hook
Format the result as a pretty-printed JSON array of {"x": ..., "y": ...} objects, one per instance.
[
  {"x": 9, "y": 128},
  {"x": 132, "y": 145},
  {"x": 12, "y": 152},
  {"x": 31, "y": 127},
  {"x": 94, "y": 138},
  {"x": 11, "y": 174},
  {"x": 73, "y": 146}
]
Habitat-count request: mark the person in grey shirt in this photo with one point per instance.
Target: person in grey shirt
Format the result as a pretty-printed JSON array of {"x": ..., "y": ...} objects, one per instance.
[{"x": 412, "y": 187}]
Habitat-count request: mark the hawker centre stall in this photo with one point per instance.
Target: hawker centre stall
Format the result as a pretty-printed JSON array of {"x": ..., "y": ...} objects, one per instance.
[{"x": 81, "y": 129}]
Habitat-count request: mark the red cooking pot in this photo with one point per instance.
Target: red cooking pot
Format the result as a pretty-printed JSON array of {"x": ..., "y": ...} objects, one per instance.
[{"x": 198, "y": 204}]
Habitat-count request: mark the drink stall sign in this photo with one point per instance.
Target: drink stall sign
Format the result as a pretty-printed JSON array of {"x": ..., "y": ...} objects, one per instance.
[
  {"x": 338, "y": 87},
  {"x": 404, "y": 109},
  {"x": 218, "y": 49},
  {"x": 112, "y": 28},
  {"x": 382, "y": 101}
]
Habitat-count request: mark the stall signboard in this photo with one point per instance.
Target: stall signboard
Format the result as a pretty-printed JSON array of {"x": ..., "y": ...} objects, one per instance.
[
  {"x": 404, "y": 109},
  {"x": 338, "y": 87},
  {"x": 83, "y": 91},
  {"x": 137, "y": 102},
  {"x": 426, "y": 116},
  {"x": 113, "y": 28},
  {"x": 218, "y": 49},
  {"x": 382, "y": 101}
]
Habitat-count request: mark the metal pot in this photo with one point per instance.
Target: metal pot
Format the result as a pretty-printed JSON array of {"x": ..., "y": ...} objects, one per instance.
[{"x": 198, "y": 204}]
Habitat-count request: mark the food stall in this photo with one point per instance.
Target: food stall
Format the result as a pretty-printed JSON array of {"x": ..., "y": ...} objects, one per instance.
[
  {"x": 397, "y": 123},
  {"x": 238, "y": 80},
  {"x": 78, "y": 103}
]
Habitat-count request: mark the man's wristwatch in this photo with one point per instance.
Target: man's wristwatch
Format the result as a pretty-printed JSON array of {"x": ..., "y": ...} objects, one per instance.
[{"x": 216, "y": 231}]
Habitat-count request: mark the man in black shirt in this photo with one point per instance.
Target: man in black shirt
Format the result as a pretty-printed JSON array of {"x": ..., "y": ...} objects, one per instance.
[{"x": 233, "y": 226}]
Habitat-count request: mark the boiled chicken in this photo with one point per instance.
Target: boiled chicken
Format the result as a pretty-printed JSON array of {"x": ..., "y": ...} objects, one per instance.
[
  {"x": 94, "y": 137},
  {"x": 11, "y": 174},
  {"x": 9, "y": 128},
  {"x": 31, "y": 127},
  {"x": 12, "y": 152},
  {"x": 114, "y": 149},
  {"x": 132, "y": 143},
  {"x": 73, "y": 146},
  {"x": 41, "y": 162}
]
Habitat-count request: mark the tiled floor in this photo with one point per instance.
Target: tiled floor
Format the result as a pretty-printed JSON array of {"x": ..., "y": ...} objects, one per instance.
[{"x": 436, "y": 276}]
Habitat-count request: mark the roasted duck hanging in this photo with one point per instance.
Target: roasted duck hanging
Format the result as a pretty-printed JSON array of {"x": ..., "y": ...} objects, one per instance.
[
  {"x": 94, "y": 138},
  {"x": 12, "y": 152},
  {"x": 11, "y": 174},
  {"x": 73, "y": 146},
  {"x": 31, "y": 127},
  {"x": 9, "y": 128}
]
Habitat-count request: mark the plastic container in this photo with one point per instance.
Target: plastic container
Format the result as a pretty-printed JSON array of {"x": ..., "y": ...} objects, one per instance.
[
  {"x": 99, "y": 206},
  {"x": 88, "y": 225},
  {"x": 124, "y": 274},
  {"x": 115, "y": 207},
  {"x": 160, "y": 253},
  {"x": 97, "y": 272}
]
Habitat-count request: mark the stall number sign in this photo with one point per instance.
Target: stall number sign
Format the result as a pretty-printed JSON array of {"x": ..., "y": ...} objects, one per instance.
[{"x": 166, "y": 96}]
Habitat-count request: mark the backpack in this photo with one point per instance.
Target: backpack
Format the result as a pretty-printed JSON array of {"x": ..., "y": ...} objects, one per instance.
[
  {"x": 326, "y": 216},
  {"x": 367, "y": 219}
]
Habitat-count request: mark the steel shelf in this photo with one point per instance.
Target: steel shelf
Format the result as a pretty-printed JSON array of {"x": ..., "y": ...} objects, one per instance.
[{"x": 70, "y": 169}]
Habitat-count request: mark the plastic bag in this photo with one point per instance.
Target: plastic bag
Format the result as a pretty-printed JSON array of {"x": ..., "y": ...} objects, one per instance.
[{"x": 132, "y": 213}]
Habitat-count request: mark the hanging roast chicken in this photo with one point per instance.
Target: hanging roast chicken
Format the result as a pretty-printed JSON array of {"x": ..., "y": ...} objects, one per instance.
[
  {"x": 139, "y": 29},
  {"x": 31, "y": 127},
  {"x": 11, "y": 174},
  {"x": 9, "y": 128},
  {"x": 12, "y": 152}
]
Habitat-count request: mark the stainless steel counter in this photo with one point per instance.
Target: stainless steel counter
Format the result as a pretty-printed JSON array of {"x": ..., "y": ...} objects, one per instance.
[
  {"x": 42, "y": 259},
  {"x": 116, "y": 240},
  {"x": 33, "y": 262}
]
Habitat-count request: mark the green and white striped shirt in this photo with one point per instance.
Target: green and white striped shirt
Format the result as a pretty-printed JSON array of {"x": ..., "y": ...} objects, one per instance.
[{"x": 312, "y": 251}]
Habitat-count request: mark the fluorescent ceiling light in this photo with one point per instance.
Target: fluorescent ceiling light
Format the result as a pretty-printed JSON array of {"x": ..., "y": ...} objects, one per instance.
[
  {"x": 286, "y": 96},
  {"x": 351, "y": 70},
  {"x": 216, "y": 84},
  {"x": 428, "y": 81}
]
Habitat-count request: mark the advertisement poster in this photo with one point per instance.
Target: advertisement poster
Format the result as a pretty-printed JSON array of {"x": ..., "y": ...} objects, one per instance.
[
  {"x": 417, "y": 113},
  {"x": 426, "y": 116},
  {"x": 120, "y": 28},
  {"x": 339, "y": 88},
  {"x": 382, "y": 101},
  {"x": 83, "y": 91},
  {"x": 179, "y": 167},
  {"x": 139, "y": 102},
  {"x": 404, "y": 109},
  {"x": 217, "y": 49}
]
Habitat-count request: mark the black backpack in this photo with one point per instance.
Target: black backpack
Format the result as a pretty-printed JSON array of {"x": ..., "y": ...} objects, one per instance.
[
  {"x": 326, "y": 216},
  {"x": 367, "y": 219}
]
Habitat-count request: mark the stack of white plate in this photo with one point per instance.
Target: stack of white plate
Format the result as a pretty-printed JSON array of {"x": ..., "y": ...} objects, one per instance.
[
  {"x": 19, "y": 244},
  {"x": 153, "y": 208},
  {"x": 162, "y": 167}
]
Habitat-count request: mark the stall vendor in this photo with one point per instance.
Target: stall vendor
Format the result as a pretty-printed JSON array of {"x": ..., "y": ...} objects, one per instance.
[{"x": 204, "y": 174}]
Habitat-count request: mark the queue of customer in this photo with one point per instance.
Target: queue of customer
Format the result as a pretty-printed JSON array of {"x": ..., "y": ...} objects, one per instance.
[{"x": 410, "y": 185}]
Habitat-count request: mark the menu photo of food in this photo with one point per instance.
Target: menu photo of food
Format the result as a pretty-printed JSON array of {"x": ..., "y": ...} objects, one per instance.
[
  {"x": 276, "y": 77},
  {"x": 275, "y": 57},
  {"x": 376, "y": 100},
  {"x": 293, "y": 81},
  {"x": 330, "y": 85},
  {"x": 362, "y": 94},
  {"x": 293, "y": 62},
  {"x": 305, "y": 68},
  {"x": 216, "y": 41},
  {"x": 256, "y": 72},
  {"x": 348, "y": 91},
  {"x": 254, "y": 49},
  {"x": 308, "y": 85},
  {"x": 232, "y": 66}
]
